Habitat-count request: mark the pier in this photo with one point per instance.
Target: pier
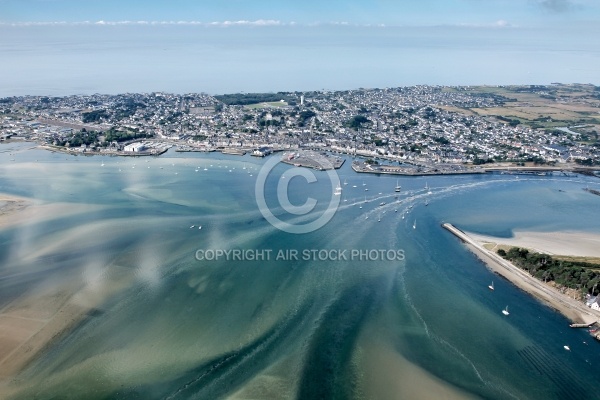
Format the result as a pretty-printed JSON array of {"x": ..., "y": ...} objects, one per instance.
[
  {"x": 572, "y": 309},
  {"x": 583, "y": 325}
]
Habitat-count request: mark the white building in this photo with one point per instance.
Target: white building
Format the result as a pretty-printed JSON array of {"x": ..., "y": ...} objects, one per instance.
[{"x": 135, "y": 147}]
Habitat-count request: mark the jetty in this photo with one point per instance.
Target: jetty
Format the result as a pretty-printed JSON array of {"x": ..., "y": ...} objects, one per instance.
[
  {"x": 576, "y": 311},
  {"x": 583, "y": 325}
]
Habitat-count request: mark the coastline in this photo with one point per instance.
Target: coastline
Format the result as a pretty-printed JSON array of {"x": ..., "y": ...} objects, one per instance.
[{"x": 574, "y": 310}]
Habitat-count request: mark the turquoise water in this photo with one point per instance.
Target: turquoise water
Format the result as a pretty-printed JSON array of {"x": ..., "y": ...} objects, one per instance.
[{"x": 173, "y": 326}]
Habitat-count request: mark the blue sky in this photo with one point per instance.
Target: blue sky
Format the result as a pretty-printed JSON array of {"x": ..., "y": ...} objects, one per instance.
[
  {"x": 388, "y": 12},
  {"x": 57, "y": 47}
]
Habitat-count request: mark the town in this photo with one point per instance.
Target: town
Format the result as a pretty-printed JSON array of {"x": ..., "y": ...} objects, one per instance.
[{"x": 437, "y": 129}]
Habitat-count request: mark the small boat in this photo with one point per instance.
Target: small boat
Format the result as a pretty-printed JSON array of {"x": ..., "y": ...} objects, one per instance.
[
  {"x": 366, "y": 189},
  {"x": 364, "y": 184},
  {"x": 402, "y": 215},
  {"x": 192, "y": 226},
  {"x": 491, "y": 286},
  {"x": 505, "y": 311},
  {"x": 426, "y": 202},
  {"x": 199, "y": 226},
  {"x": 415, "y": 224},
  {"x": 345, "y": 183},
  {"x": 397, "y": 188},
  {"x": 382, "y": 203},
  {"x": 338, "y": 190},
  {"x": 353, "y": 186},
  {"x": 567, "y": 348}
]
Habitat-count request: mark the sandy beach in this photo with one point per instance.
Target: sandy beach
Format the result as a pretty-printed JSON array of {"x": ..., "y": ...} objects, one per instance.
[
  {"x": 579, "y": 244},
  {"x": 574, "y": 310}
]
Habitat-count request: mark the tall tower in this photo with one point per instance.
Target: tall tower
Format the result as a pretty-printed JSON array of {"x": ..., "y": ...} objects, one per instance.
[{"x": 302, "y": 100}]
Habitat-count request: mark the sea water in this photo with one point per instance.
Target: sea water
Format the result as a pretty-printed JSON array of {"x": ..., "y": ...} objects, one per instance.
[{"x": 166, "y": 324}]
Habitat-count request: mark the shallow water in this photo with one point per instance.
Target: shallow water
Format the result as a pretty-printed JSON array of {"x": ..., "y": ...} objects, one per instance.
[{"x": 165, "y": 325}]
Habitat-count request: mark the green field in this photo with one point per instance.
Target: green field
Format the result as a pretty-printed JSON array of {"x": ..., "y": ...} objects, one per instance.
[
  {"x": 273, "y": 104},
  {"x": 546, "y": 106}
]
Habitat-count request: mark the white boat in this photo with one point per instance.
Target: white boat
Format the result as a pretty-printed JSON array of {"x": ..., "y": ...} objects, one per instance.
[
  {"x": 199, "y": 226},
  {"x": 345, "y": 183},
  {"x": 353, "y": 186},
  {"x": 491, "y": 286},
  {"x": 338, "y": 190},
  {"x": 397, "y": 188},
  {"x": 382, "y": 203},
  {"x": 415, "y": 224},
  {"x": 505, "y": 311},
  {"x": 427, "y": 188},
  {"x": 426, "y": 202},
  {"x": 192, "y": 226},
  {"x": 567, "y": 348}
]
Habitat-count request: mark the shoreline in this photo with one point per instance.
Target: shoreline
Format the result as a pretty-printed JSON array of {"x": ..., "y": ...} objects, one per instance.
[
  {"x": 469, "y": 169},
  {"x": 572, "y": 309}
]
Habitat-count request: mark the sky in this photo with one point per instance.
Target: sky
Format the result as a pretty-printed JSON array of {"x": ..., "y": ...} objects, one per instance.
[{"x": 58, "y": 47}]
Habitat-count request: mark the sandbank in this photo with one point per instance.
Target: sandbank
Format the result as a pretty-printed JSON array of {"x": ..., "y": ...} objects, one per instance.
[{"x": 573, "y": 309}]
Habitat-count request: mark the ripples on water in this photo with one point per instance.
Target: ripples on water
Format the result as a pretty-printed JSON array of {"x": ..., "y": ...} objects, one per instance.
[{"x": 161, "y": 324}]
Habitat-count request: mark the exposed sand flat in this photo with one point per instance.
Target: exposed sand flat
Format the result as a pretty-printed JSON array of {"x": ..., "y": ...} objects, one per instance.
[
  {"x": 23, "y": 211},
  {"x": 31, "y": 323},
  {"x": 575, "y": 310},
  {"x": 10, "y": 205},
  {"x": 581, "y": 244}
]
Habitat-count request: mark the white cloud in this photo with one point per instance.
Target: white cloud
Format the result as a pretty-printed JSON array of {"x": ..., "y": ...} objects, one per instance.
[{"x": 260, "y": 22}]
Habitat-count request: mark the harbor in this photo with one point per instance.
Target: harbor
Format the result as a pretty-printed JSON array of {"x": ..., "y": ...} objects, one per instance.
[
  {"x": 312, "y": 159},
  {"x": 413, "y": 170}
]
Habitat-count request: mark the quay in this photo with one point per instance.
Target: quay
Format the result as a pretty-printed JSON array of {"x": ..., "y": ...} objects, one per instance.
[
  {"x": 312, "y": 159},
  {"x": 414, "y": 170},
  {"x": 583, "y": 325}
]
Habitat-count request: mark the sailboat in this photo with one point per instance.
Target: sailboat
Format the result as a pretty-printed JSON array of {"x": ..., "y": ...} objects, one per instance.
[
  {"x": 427, "y": 188},
  {"x": 415, "y": 224},
  {"x": 345, "y": 183},
  {"x": 397, "y": 188},
  {"x": 338, "y": 190},
  {"x": 426, "y": 202},
  {"x": 505, "y": 311},
  {"x": 491, "y": 286}
]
